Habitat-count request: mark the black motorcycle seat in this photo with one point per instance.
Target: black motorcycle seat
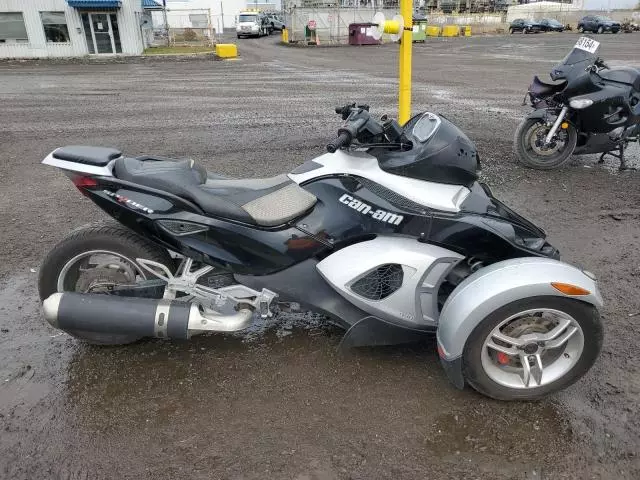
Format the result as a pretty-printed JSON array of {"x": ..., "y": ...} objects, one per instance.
[
  {"x": 539, "y": 88},
  {"x": 96, "y": 156},
  {"x": 259, "y": 201},
  {"x": 627, "y": 75}
]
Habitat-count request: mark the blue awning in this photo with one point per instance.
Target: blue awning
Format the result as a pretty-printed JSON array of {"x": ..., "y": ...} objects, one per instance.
[
  {"x": 100, "y": 4},
  {"x": 151, "y": 5}
]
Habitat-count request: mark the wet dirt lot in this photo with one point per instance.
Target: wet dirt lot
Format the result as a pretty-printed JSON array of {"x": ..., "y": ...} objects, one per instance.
[{"x": 281, "y": 402}]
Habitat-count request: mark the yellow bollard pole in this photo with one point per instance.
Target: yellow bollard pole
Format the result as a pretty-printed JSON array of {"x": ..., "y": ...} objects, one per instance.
[{"x": 404, "y": 94}]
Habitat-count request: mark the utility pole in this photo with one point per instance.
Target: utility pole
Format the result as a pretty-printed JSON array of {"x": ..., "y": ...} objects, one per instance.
[
  {"x": 404, "y": 93},
  {"x": 221, "y": 19},
  {"x": 166, "y": 22}
]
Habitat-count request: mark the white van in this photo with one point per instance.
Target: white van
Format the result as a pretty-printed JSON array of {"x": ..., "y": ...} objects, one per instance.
[{"x": 252, "y": 24}]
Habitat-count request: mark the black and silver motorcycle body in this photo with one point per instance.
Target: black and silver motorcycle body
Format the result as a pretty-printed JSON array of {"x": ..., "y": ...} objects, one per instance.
[
  {"x": 593, "y": 109},
  {"x": 389, "y": 235}
]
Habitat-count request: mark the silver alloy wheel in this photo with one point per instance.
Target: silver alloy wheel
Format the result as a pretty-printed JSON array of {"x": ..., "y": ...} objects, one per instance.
[
  {"x": 97, "y": 269},
  {"x": 532, "y": 348}
]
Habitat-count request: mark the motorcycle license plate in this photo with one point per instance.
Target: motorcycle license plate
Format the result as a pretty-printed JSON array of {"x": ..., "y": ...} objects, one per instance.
[{"x": 587, "y": 44}]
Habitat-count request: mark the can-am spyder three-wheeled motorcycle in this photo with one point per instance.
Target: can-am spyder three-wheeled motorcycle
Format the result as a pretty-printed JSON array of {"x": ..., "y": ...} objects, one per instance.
[{"x": 389, "y": 235}]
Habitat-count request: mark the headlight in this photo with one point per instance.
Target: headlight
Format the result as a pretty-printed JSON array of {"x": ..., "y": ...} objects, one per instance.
[
  {"x": 579, "y": 104},
  {"x": 254, "y": 27}
]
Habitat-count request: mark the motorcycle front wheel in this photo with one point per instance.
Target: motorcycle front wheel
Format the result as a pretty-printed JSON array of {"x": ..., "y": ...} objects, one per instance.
[
  {"x": 532, "y": 347},
  {"x": 530, "y": 150}
]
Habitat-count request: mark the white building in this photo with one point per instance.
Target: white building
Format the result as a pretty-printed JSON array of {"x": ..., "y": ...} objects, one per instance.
[{"x": 69, "y": 28}]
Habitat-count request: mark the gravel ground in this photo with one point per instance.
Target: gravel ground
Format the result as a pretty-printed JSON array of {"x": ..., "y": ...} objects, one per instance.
[{"x": 280, "y": 402}]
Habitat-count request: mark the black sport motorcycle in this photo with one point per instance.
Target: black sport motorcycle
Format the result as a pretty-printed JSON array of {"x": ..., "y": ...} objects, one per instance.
[
  {"x": 389, "y": 235},
  {"x": 593, "y": 109}
]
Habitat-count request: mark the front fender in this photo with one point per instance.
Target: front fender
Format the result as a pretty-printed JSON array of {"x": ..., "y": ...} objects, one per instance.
[
  {"x": 539, "y": 114},
  {"x": 493, "y": 287}
]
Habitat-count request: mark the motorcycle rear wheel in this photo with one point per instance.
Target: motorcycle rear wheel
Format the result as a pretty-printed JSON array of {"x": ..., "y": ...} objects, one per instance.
[
  {"x": 92, "y": 258},
  {"x": 533, "y": 156}
]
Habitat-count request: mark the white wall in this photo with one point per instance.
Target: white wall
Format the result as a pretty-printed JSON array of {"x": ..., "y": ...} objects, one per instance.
[
  {"x": 38, "y": 46},
  {"x": 129, "y": 18}
]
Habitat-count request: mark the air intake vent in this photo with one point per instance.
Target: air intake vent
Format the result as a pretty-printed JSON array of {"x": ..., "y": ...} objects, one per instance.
[
  {"x": 379, "y": 283},
  {"x": 392, "y": 197},
  {"x": 179, "y": 227}
]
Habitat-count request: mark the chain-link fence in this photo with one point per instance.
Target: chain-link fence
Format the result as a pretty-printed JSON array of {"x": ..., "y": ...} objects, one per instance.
[
  {"x": 330, "y": 19},
  {"x": 191, "y": 27}
]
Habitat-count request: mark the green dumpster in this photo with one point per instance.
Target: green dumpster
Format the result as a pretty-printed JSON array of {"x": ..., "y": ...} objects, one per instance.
[{"x": 419, "y": 28}]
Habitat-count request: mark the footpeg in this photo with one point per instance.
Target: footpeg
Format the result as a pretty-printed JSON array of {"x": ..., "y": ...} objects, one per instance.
[
  {"x": 264, "y": 308},
  {"x": 224, "y": 299}
]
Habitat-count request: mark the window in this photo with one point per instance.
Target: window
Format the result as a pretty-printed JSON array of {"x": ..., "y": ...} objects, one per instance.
[
  {"x": 87, "y": 32},
  {"x": 199, "y": 20},
  {"x": 12, "y": 28},
  {"x": 55, "y": 26},
  {"x": 116, "y": 32},
  {"x": 247, "y": 19}
]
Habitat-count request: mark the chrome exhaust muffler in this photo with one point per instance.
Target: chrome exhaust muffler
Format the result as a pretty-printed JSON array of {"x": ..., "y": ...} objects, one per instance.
[{"x": 142, "y": 317}]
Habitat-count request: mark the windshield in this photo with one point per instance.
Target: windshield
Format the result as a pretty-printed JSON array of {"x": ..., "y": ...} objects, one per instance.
[
  {"x": 247, "y": 19},
  {"x": 553, "y": 22},
  {"x": 604, "y": 19},
  {"x": 584, "y": 50}
]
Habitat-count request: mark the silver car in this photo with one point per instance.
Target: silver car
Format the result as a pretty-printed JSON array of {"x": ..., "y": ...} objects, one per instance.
[{"x": 275, "y": 23}]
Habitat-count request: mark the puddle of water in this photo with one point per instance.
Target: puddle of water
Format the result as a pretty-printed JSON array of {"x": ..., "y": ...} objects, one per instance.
[{"x": 240, "y": 400}]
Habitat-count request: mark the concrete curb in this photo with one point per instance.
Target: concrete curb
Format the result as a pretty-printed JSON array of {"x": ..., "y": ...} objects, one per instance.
[{"x": 132, "y": 59}]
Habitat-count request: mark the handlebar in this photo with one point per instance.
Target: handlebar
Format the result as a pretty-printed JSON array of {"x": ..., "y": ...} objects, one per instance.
[
  {"x": 597, "y": 66},
  {"x": 343, "y": 140},
  {"x": 359, "y": 126}
]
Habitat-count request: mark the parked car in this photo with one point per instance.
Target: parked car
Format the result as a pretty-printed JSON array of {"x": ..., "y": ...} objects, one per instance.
[
  {"x": 275, "y": 23},
  {"x": 629, "y": 27},
  {"x": 524, "y": 26},
  {"x": 598, "y": 24},
  {"x": 252, "y": 24},
  {"x": 550, "y": 25}
]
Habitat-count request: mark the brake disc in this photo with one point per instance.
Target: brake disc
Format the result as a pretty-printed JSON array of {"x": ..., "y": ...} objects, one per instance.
[
  {"x": 103, "y": 277},
  {"x": 537, "y": 138},
  {"x": 525, "y": 326}
]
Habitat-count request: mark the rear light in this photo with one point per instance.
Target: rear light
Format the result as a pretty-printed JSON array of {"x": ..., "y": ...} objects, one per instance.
[{"x": 82, "y": 183}]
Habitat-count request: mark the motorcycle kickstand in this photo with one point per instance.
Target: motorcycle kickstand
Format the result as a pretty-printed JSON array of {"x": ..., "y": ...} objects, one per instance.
[{"x": 619, "y": 156}]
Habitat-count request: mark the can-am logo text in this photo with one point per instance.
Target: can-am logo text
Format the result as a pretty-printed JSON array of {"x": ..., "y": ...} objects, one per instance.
[{"x": 366, "y": 209}]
